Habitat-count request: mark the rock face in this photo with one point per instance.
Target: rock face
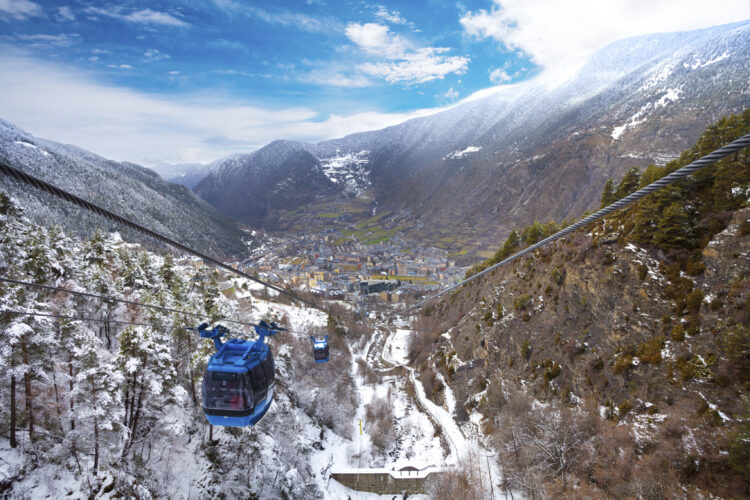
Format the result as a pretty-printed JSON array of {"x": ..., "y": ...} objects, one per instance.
[
  {"x": 541, "y": 149},
  {"x": 611, "y": 331},
  {"x": 127, "y": 189}
]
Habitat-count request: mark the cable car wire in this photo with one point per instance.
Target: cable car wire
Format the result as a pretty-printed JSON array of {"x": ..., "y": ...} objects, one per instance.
[
  {"x": 106, "y": 298},
  {"x": 681, "y": 173},
  {"x": 60, "y": 193},
  {"x": 98, "y": 320}
]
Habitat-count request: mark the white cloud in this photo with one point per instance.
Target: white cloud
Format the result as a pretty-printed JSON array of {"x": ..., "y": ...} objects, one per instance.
[
  {"x": 144, "y": 16},
  {"x": 403, "y": 62},
  {"x": 335, "y": 78},
  {"x": 499, "y": 75},
  {"x": 155, "y": 55},
  {"x": 281, "y": 17},
  {"x": 451, "y": 94},
  {"x": 377, "y": 39},
  {"x": 43, "y": 40},
  {"x": 65, "y": 14},
  {"x": 551, "y": 31},
  {"x": 18, "y": 9},
  {"x": 390, "y": 16},
  {"x": 120, "y": 66},
  {"x": 64, "y": 104}
]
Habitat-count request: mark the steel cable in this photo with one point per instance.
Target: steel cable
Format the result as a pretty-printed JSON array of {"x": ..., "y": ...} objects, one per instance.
[
  {"x": 681, "y": 173},
  {"x": 60, "y": 193},
  {"x": 106, "y": 298}
]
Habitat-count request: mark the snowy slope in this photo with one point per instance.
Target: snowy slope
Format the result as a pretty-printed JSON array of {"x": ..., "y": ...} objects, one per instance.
[
  {"x": 543, "y": 148},
  {"x": 127, "y": 189}
]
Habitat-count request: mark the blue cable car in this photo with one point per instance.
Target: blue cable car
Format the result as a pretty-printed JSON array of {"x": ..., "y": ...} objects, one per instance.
[
  {"x": 320, "y": 349},
  {"x": 239, "y": 379}
]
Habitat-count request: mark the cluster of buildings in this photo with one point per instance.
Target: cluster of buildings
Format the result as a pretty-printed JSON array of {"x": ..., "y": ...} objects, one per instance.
[{"x": 357, "y": 273}]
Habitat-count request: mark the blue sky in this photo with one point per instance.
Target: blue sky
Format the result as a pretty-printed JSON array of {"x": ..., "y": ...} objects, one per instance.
[{"x": 193, "y": 80}]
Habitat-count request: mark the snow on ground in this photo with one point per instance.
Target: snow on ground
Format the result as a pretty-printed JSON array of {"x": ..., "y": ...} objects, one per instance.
[
  {"x": 32, "y": 146},
  {"x": 396, "y": 347},
  {"x": 461, "y": 447},
  {"x": 698, "y": 63},
  {"x": 299, "y": 320},
  {"x": 349, "y": 169},
  {"x": 418, "y": 444},
  {"x": 457, "y": 155},
  {"x": 642, "y": 115}
]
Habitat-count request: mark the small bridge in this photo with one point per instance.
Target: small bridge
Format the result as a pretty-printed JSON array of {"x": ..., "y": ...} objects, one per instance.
[{"x": 407, "y": 480}]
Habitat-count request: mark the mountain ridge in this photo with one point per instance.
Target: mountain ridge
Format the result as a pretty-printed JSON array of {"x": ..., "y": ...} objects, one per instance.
[
  {"x": 131, "y": 190},
  {"x": 557, "y": 136}
]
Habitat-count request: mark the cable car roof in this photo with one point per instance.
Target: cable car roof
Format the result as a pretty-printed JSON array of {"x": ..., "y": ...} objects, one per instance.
[{"x": 238, "y": 355}]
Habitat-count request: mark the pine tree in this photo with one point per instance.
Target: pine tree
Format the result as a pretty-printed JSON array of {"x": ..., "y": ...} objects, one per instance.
[
  {"x": 150, "y": 390},
  {"x": 674, "y": 229},
  {"x": 512, "y": 242},
  {"x": 96, "y": 391},
  {"x": 629, "y": 184},
  {"x": 533, "y": 233},
  {"x": 608, "y": 195}
]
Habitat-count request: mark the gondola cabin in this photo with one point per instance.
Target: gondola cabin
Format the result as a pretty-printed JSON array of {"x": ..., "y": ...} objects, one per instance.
[
  {"x": 320, "y": 349},
  {"x": 239, "y": 380}
]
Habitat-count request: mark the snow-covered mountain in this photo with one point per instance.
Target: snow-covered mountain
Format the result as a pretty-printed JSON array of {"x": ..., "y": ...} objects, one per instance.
[
  {"x": 539, "y": 149},
  {"x": 281, "y": 176},
  {"x": 186, "y": 174},
  {"x": 128, "y": 189}
]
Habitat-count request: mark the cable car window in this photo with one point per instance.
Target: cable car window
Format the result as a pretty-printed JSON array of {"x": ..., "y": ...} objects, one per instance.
[
  {"x": 268, "y": 368},
  {"x": 259, "y": 383},
  {"x": 226, "y": 391},
  {"x": 248, "y": 392}
]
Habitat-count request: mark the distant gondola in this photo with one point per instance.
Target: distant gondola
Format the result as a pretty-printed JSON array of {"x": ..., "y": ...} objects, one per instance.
[
  {"x": 239, "y": 379},
  {"x": 320, "y": 349}
]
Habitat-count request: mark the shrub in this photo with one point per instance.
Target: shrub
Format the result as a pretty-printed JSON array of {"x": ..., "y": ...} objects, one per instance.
[
  {"x": 678, "y": 333},
  {"x": 622, "y": 363},
  {"x": 691, "y": 367},
  {"x": 525, "y": 350},
  {"x": 695, "y": 266},
  {"x": 739, "y": 451},
  {"x": 522, "y": 302},
  {"x": 694, "y": 300},
  {"x": 642, "y": 271},
  {"x": 597, "y": 364},
  {"x": 650, "y": 350},
  {"x": 624, "y": 408},
  {"x": 552, "y": 371}
]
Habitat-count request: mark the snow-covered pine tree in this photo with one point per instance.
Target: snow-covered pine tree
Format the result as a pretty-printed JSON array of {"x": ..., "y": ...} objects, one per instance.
[{"x": 98, "y": 406}]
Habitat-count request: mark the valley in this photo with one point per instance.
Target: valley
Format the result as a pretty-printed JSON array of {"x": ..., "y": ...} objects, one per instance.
[{"x": 613, "y": 362}]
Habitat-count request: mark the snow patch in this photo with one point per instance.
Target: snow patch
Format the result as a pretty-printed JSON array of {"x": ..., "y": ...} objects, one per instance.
[
  {"x": 698, "y": 63},
  {"x": 32, "y": 146},
  {"x": 642, "y": 115},
  {"x": 27, "y": 144},
  {"x": 349, "y": 169},
  {"x": 457, "y": 155}
]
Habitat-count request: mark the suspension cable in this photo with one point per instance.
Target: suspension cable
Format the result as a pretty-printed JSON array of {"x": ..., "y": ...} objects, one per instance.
[
  {"x": 60, "y": 193},
  {"x": 681, "y": 173},
  {"x": 106, "y": 298},
  {"x": 98, "y": 320}
]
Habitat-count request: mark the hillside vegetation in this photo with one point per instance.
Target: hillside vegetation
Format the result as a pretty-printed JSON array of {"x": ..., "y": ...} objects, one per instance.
[
  {"x": 633, "y": 334},
  {"x": 102, "y": 397}
]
